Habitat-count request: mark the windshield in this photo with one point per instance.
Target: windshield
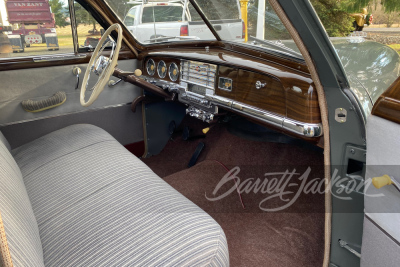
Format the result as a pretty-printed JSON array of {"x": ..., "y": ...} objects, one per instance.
[
  {"x": 254, "y": 24},
  {"x": 162, "y": 14}
]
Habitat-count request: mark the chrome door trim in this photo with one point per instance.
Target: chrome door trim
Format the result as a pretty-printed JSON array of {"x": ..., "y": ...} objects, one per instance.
[{"x": 59, "y": 57}]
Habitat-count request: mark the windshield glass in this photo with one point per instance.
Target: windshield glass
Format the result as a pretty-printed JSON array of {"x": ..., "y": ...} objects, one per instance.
[
  {"x": 254, "y": 24},
  {"x": 162, "y": 14}
]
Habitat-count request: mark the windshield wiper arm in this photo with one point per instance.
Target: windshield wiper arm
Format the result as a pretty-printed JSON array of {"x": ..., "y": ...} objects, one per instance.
[
  {"x": 161, "y": 39},
  {"x": 208, "y": 23},
  {"x": 280, "y": 46}
]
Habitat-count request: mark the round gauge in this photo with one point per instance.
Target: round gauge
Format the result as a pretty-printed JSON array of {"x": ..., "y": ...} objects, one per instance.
[
  {"x": 151, "y": 67},
  {"x": 173, "y": 72},
  {"x": 162, "y": 69}
]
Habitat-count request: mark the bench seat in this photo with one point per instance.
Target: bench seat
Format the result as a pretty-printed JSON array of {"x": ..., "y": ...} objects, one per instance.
[{"x": 76, "y": 197}]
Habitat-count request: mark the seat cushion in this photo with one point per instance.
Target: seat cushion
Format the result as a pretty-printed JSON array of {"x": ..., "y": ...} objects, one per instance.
[{"x": 98, "y": 205}]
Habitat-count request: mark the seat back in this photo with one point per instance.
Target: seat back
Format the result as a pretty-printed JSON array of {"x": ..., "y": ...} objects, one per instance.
[
  {"x": 4, "y": 141},
  {"x": 20, "y": 226}
]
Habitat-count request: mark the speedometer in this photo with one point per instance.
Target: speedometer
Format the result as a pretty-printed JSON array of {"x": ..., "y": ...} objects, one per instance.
[
  {"x": 162, "y": 69},
  {"x": 173, "y": 72},
  {"x": 151, "y": 67}
]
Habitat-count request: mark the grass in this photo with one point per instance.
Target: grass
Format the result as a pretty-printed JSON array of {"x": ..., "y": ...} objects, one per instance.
[
  {"x": 395, "y": 47},
  {"x": 383, "y": 26},
  {"x": 65, "y": 34}
]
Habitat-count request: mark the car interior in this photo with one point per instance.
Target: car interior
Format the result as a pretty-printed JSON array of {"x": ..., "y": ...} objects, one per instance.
[
  {"x": 132, "y": 183},
  {"x": 183, "y": 154}
]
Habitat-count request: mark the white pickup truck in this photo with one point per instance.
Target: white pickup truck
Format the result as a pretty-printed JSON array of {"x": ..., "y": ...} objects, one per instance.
[{"x": 160, "y": 21}]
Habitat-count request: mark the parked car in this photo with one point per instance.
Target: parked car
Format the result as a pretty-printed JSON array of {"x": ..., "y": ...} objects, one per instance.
[
  {"x": 155, "y": 21},
  {"x": 205, "y": 151}
]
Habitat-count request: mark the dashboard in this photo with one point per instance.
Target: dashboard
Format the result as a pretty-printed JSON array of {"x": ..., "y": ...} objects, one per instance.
[{"x": 271, "y": 94}]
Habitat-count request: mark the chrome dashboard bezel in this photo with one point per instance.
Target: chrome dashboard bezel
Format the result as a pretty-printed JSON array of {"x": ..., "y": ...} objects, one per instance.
[
  {"x": 158, "y": 69},
  {"x": 223, "y": 88},
  {"x": 147, "y": 67},
  {"x": 169, "y": 71},
  {"x": 212, "y": 87}
]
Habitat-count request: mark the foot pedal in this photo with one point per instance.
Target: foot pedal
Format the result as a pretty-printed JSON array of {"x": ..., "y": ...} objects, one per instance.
[
  {"x": 196, "y": 154},
  {"x": 189, "y": 134}
]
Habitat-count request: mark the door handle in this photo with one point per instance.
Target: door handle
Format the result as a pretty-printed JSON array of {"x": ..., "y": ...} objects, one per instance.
[
  {"x": 385, "y": 180},
  {"x": 76, "y": 71}
]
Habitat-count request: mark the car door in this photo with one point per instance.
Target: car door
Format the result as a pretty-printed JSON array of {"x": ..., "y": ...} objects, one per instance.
[
  {"x": 40, "y": 71},
  {"x": 381, "y": 235}
]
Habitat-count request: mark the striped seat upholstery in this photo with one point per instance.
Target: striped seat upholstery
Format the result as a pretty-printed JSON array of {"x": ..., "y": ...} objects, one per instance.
[{"x": 95, "y": 204}]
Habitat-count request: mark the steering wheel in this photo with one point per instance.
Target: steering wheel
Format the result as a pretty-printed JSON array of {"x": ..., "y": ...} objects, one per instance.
[{"x": 101, "y": 65}]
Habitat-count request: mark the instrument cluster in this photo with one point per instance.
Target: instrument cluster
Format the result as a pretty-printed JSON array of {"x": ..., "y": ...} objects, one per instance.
[{"x": 162, "y": 68}]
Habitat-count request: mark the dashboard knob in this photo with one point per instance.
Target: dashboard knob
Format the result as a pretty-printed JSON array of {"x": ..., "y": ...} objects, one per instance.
[
  {"x": 260, "y": 84},
  {"x": 138, "y": 72},
  {"x": 174, "y": 89}
]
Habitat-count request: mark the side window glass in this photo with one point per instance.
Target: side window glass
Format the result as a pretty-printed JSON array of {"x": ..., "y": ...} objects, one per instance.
[
  {"x": 366, "y": 37},
  {"x": 89, "y": 31},
  {"x": 34, "y": 28}
]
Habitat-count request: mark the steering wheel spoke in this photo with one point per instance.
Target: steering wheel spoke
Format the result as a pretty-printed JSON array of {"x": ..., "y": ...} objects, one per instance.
[{"x": 100, "y": 65}]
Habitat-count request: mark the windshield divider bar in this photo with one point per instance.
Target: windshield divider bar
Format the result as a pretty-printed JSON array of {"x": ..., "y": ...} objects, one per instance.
[
  {"x": 208, "y": 23},
  {"x": 73, "y": 25}
]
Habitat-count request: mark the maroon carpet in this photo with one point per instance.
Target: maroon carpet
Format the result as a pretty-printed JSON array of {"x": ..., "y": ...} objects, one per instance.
[{"x": 289, "y": 237}]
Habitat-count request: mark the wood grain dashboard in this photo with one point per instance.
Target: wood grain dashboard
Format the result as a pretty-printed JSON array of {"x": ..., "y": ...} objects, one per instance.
[
  {"x": 286, "y": 92},
  {"x": 388, "y": 104}
]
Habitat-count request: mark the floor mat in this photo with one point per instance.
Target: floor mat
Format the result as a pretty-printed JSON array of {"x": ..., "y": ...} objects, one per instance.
[
  {"x": 233, "y": 150},
  {"x": 292, "y": 237},
  {"x": 262, "y": 233}
]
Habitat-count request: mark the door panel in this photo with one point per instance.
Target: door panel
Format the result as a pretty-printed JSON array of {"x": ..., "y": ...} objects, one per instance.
[
  {"x": 119, "y": 121},
  {"x": 109, "y": 112},
  {"x": 41, "y": 83},
  {"x": 383, "y": 157},
  {"x": 378, "y": 248},
  {"x": 381, "y": 236}
]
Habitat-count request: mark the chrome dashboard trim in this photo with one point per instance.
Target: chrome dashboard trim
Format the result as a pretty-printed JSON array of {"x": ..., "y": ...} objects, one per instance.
[
  {"x": 261, "y": 114},
  {"x": 301, "y": 128},
  {"x": 220, "y": 101},
  {"x": 307, "y": 129}
]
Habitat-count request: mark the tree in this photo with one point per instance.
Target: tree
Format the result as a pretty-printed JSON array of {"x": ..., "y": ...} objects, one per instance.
[
  {"x": 84, "y": 17},
  {"x": 57, "y": 9},
  {"x": 357, "y": 5},
  {"x": 391, "y": 5},
  {"x": 334, "y": 16}
]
